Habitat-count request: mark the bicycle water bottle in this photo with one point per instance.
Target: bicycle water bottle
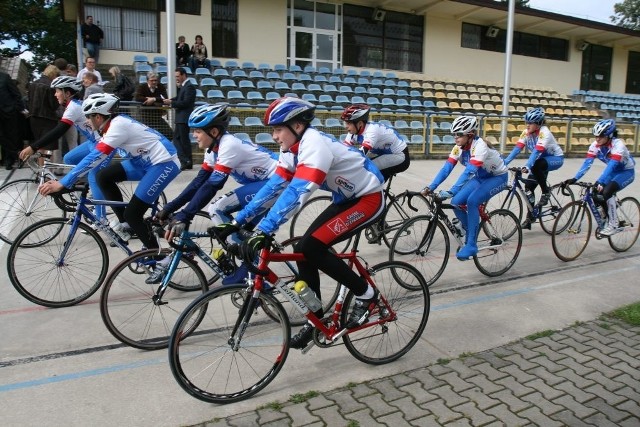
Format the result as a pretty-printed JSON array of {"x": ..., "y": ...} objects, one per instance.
[
  {"x": 530, "y": 196},
  {"x": 458, "y": 225},
  {"x": 602, "y": 219},
  {"x": 308, "y": 296},
  {"x": 223, "y": 260}
]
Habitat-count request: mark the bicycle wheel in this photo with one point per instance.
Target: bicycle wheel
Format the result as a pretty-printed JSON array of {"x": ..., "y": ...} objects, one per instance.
[
  {"x": 561, "y": 195},
  {"x": 509, "y": 200},
  {"x": 423, "y": 245},
  {"x": 307, "y": 214},
  {"x": 214, "y": 365},
  {"x": 386, "y": 337},
  {"x": 629, "y": 224},
  {"x": 133, "y": 311},
  {"x": 21, "y": 206},
  {"x": 52, "y": 274},
  {"x": 575, "y": 221},
  {"x": 397, "y": 213},
  {"x": 499, "y": 245}
]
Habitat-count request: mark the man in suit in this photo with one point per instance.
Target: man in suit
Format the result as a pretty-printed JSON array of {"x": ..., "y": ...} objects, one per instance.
[
  {"x": 183, "y": 103},
  {"x": 11, "y": 105},
  {"x": 152, "y": 95}
]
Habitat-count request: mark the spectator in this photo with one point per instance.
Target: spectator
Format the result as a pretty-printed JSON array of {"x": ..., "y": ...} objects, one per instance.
[
  {"x": 90, "y": 67},
  {"x": 11, "y": 105},
  {"x": 124, "y": 88},
  {"x": 62, "y": 64},
  {"x": 91, "y": 86},
  {"x": 199, "y": 55},
  {"x": 43, "y": 107},
  {"x": 182, "y": 52},
  {"x": 72, "y": 70},
  {"x": 152, "y": 94},
  {"x": 183, "y": 102},
  {"x": 92, "y": 36}
]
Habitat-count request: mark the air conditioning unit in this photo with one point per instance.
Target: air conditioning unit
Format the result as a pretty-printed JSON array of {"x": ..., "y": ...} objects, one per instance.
[
  {"x": 492, "y": 32},
  {"x": 378, "y": 14},
  {"x": 582, "y": 45}
]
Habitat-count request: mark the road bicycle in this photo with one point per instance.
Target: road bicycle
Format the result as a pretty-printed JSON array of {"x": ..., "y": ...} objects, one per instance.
[
  {"x": 20, "y": 203},
  {"x": 424, "y": 242},
  {"x": 516, "y": 201},
  {"x": 396, "y": 212},
  {"x": 242, "y": 337},
  {"x": 572, "y": 229},
  {"x": 60, "y": 262}
]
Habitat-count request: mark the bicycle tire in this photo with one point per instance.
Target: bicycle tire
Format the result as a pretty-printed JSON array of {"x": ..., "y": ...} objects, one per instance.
[
  {"x": 205, "y": 363},
  {"x": 308, "y": 213},
  {"x": 396, "y": 213},
  {"x": 130, "y": 309},
  {"x": 21, "y": 206},
  {"x": 509, "y": 201},
  {"x": 382, "y": 341},
  {"x": 561, "y": 195},
  {"x": 573, "y": 240},
  {"x": 38, "y": 275},
  {"x": 499, "y": 232},
  {"x": 629, "y": 222},
  {"x": 428, "y": 254}
]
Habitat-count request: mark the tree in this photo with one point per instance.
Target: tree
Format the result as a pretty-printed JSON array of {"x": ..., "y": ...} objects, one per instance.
[
  {"x": 627, "y": 14},
  {"x": 36, "y": 26}
]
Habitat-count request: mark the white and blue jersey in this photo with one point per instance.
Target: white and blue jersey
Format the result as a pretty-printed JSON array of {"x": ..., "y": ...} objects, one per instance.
[
  {"x": 378, "y": 139},
  {"x": 540, "y": 143},
  {"x": 617, "y": 157},
  {"x": 73, "y": 116}
]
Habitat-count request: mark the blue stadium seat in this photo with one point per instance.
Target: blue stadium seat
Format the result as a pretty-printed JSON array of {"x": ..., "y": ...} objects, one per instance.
[
  {"x": 264, "y": 85},
  {"x": 316, "y": 122},
  {"x": 264, "y": 138},
  {"x": 304, "y": 77},
  {"x": 401, "y": 124},
  {"x": 345, "y": 89},
  {"x": 142, "y": 68},
  {"x": 363, "y": 81},
  {"x": 231, "y": 64},
  {"x": 215, "y": 63},
  {"x": 315, "y": 87},
  {"x": 289, "y": 77},
  {"x": 239, "y": 74},
  {"x": 228, "y": 83},
  {"x": 188, "y": 70},
  {"x": 338, "y": 71},
  {"x": 234, "y": 121},
  {"x": 329, "y": 88},
  {"x": 402, "y": 104},
  {"x": 221, "y": 72},
  {"x": 435, "y": 139},
  {"x": 254, "y": 96},
  {"x": 248, "y": 66},
  {"x": 365, "y": 73},
  {"x": 357, "y": 99},
  {"x": 140, "y": 59},
  {"x": 448, "y": 139},
  {"x": 402, "y": 93},
  {"x": 273, "y": 75},
  {"x": 309, "y": 97},
  {"x": 320, "y": 78},
  {"x": 271, "y": 96},
  {"x": 252, "y": 121},
  {"x": 386, "y": 123},
  {"x": 352, "y": 73},
  {"x": 373, "y": 101},
  {"x": 295, "y": 68},
  {"x": 388, "y": 103},
  {"x": 416, "y": 125},
  {"x": 199, "y": 95},
  {"x": 242, "y": 136},
  {"x": 263, "y": 66},
  {"x": 326, "y": 99},
  {"x": 389, "y": 92},
  {"x": 376, "y": 82},
  {"x": 324, "y": 70},
  {"x": 403, "y": 83},
  {"x": 162, "y": 70},
  {"x": 375, "y": 91},
  {"x": 281, "y": 86},
  {"x": 298, "y": 87},
  {"x": 342, "y": 99},
  {"x": 279, "y": 67},
  {"x": 246, "y": 85},
  {"x": 215, "y": 95},
  {"x": 336, "y": 80},
  {"x": 377, "y": 74},
  {"x": 415, "y": 105},
  {"x": 332, "y": 122},
  {"x": 164, "y": 80},
  {"x": 360, "y": 90},
  {"x": 416, "y": 139},
  {"x": 256, "y": 75},
  {"x": 208, "y": 83},
  {"x": 309, "y": 69},
  {"x": 160, "y": 60}
]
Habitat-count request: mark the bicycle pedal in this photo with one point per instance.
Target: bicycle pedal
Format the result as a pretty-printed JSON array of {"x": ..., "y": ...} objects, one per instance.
[{"x": 308, "y": 347}]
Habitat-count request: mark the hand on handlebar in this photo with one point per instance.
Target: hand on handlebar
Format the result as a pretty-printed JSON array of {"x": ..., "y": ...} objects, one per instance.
[
  {"x": 426, "y": 191},
  {"x": 251, "y": 247},
  {"x": 524, "y": 169},
  {"x": 569, "y": 181},
  {"x": 222, "y": 231},
  {"x": 24, "y": 154},
  {"x": 50, "y": 187},
  {"x": 444, "y": 195},
  {"x": 175, "y": 228}
]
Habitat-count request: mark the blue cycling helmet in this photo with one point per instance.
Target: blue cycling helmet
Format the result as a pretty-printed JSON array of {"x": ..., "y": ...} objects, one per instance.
[
  {"x": 208, "y": 115},
  {"x": 605, "y": 127},
  {"x": 283, "y": 110},
  {"x": 535, "y": 116}
]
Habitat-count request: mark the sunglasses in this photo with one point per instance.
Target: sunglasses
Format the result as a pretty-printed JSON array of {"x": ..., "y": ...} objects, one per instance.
[
  {"x": 459, "y": 134},
  {"x": 91, "y": 116}
]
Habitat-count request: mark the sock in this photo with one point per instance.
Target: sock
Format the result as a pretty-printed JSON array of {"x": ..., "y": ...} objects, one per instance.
[{"x": 368, "y": 294}]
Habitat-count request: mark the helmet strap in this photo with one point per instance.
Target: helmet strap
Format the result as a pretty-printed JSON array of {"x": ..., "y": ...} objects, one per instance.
[{"x": 297, "y": 135}]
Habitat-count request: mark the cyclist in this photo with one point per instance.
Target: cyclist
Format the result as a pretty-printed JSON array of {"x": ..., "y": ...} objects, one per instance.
[
  {"x": 153, "y": 162},
  {"x": 66, "y": 91},
  {"x": 379, "y": 142},
  {"x": 546, "y": 155},
  {"x": 484, "y": 177},
  {"x": 618, "y": 173},
  {"x": 310, "y": 159},
  {"x": 249, "y": 164}
]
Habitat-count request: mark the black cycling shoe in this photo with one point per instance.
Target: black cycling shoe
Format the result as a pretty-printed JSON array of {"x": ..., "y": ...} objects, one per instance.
[
  {"x": 303, "y": 337},
  {"x": 362, "y": 308},
  {"x": 544, "y": 199},
  {"x": 526, "y": 224}
]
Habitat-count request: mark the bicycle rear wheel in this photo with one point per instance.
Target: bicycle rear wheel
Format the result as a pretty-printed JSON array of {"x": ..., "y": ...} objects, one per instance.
[
  {"x": 211, "y": 363},
  {"x": 561, "y": 195},
  {"x": 575, "y": 221},
  {"x": 21, "y": 206},
  {"x": 133, "y": 311},
  {"x": 397, "y": 213},
  {"x": 629, "y": 224},
  {"x": 307, "y": 214},
  {"x": 500, "y": 246},
  {"x": 52, "y": 274},
  {"x": 509, "y": 200},
  {"x": 386, "y": 337},
  {"x": 423, "y": 245}
]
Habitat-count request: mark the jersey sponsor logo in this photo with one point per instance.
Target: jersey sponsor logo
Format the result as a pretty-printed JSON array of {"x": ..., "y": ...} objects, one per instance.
[
  {"x": 257, "y": 170},
  {"x": 354, "y": 217},
  {"x": 345, "y": 183},
  {"x": 166, "y": 174},
  {"x": 142, "y": 150},
  {"x": 337, "y": 226}
]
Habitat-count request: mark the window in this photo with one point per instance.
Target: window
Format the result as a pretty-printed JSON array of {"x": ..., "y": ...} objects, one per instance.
[
  {"x": 127, "y": 29},
  {"x": 224, "y": 27},
  {"x": 478, "y": 37},
  {"x": 596, "y": 68},
  {"x": 188, "y": 7},
  {"x": 395, "y": 42},
  {"x": 633, "y": 73}
]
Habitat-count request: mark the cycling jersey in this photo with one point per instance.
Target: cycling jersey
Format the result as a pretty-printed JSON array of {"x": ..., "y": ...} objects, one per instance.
[
  {"x": 317, "y": 160},
  {"x": 615, "y": 154},
  {"x": 540, "y": 143},
  {"x": 378, "y": 139},
  {"x": 73, "y": 116},
  {"x": 479, "y": 159}
]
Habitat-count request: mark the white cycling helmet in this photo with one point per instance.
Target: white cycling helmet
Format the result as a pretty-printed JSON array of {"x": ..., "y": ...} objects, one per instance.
[
  {"x": 66, "y": 82},
  {"x": 100, "y": 103},
  {"x": 464, "y": 124},
  {"x": 605, "y": 127}
]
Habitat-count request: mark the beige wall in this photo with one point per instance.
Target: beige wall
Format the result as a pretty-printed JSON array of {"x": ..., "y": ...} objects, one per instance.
[{"x": 263, "y": 31}]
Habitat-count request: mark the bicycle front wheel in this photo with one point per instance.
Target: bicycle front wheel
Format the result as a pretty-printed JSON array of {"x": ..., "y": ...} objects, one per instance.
[
  {"x": 63, "y": 271},
  {"x": 422, "y": 242},
  {"x": 575, "y": 222},
  {"x": 507, "y": 199},
  {"x": 21, "y": 206},
  {"x": 217, "y": 363},
  {"x": 560, "y": 196},
  {"x": 499, "y": 243},
  {"x": 307, "y": 214},
  {"x": 628, "y": 224},
  {"x": 135, "y": 312},
  {"x": 399, "y": 320},
  {"x": 398, "y": 212}
]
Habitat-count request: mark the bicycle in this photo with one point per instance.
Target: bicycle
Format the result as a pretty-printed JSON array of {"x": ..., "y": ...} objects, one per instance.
[
  {"x": 20, "y": 203},
  {"x": 60, "y": 262},
  {"x": 397, "y": 211},
  {"x": 142, "y": 315},
  {"x": 516, "y": 200},
  {"x": 242, "y": 341},
  {"x": 574, "y": 225},
  {"x": 424, "y": 242}
]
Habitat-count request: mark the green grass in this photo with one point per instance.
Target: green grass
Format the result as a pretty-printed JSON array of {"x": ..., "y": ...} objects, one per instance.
[
  {"x": 300, "y": 397},
  {"x": 541, "y": 334},
  {"x": 629, "y": 313}
]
